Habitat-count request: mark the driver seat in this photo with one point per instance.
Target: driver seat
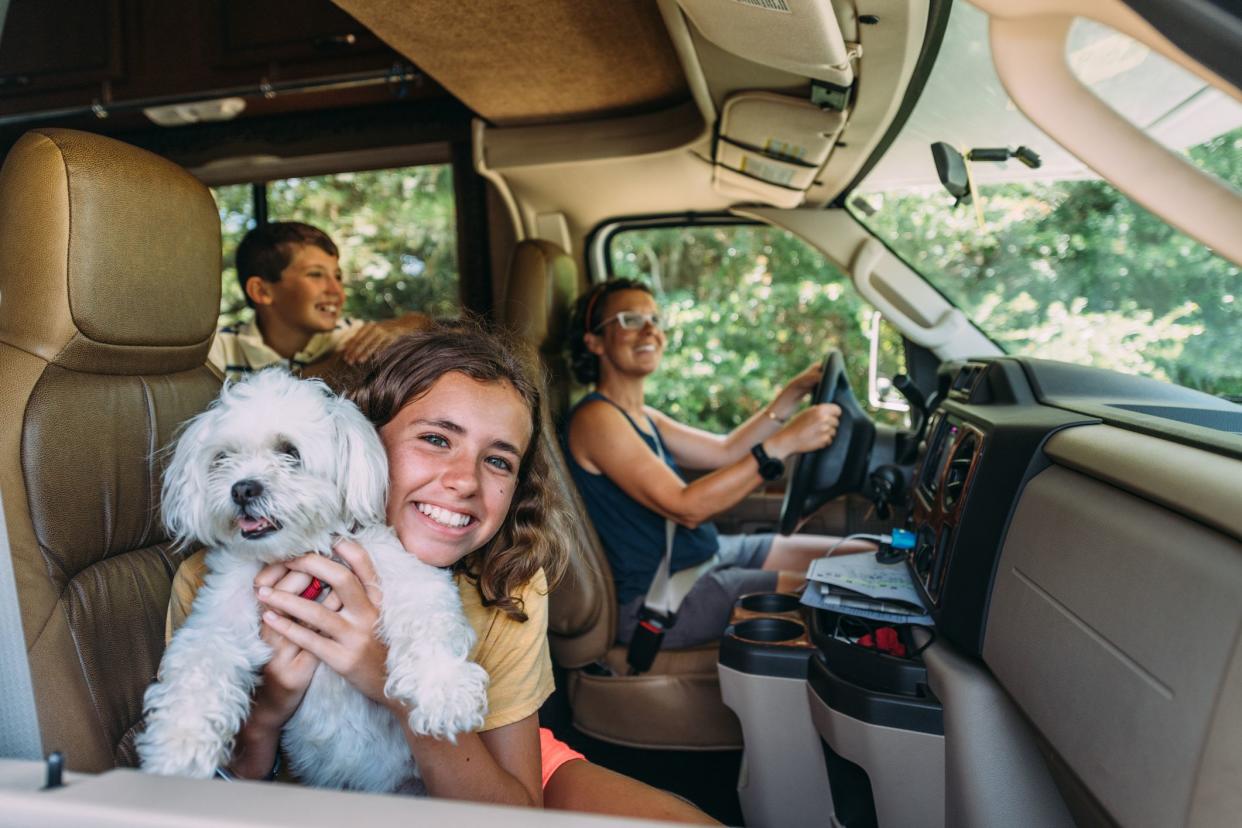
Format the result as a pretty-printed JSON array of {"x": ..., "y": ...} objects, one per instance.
[{"x": 677, "y": 704}]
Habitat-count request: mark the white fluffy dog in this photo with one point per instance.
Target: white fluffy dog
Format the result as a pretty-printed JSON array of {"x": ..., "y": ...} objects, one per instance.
[{"x": 277, "y": 467}]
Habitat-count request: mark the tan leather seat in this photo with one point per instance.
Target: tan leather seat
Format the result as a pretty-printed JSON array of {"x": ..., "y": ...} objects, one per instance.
[
  {"x": 543, "y": 282},
  {"x": 677, "y": 704},
  {"x": 109, "y": 290}
]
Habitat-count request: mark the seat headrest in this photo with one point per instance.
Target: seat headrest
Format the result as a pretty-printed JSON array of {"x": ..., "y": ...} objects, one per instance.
[
  {"x": 109, "y": 256},
  {"x": 543, "y": 281}
]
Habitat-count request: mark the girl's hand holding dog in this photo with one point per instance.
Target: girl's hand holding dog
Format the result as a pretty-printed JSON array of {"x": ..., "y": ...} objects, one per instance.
[
  {"x": 287, "y": 675},
  {"x": 345, "y": 639},
  {"x": 285, "y": 679}
]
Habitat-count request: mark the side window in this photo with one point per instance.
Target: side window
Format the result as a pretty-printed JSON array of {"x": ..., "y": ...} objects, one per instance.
[
  {"x": 236, "y": 206},
  {"x": 396, "y": 230},
  {"x": 749, "y": 307}
]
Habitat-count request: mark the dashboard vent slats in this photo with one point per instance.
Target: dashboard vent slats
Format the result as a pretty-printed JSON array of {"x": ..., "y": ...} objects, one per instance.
[{"x": 959, "y": 469}]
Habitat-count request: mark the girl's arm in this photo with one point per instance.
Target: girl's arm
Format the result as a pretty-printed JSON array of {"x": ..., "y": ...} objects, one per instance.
[
  {"x": 694, "y": 448},
  {"x": 603, "y": 441},
  {"x": 285, "y": 680},
  {"x": 501, "y": 765}
]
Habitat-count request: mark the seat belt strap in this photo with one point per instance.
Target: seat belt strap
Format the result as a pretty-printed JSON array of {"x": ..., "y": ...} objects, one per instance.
[
  {"x": 19, "y": 721},
  {"x": 664, "y": 596},
  {"x": 659, "y": 596}
]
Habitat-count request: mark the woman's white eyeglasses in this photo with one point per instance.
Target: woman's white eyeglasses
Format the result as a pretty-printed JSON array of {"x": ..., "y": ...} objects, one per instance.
[{"x": 633, "y": 320}]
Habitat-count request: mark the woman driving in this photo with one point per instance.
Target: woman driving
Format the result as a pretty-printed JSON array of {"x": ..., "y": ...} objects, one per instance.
[{"x": 626, "y": 458}]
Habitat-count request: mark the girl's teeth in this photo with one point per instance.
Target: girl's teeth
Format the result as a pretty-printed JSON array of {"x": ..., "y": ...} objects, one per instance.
[{"x": 443, "y": 516}]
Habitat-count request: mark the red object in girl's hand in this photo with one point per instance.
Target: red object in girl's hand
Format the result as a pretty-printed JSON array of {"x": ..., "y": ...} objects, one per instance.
[{"x": 312, "y": 592}]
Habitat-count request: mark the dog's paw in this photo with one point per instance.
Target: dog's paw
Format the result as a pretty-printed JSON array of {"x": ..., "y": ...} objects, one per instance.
[
  {"x": 182, "y": 754},
  {"x": 450, "y": 700}
]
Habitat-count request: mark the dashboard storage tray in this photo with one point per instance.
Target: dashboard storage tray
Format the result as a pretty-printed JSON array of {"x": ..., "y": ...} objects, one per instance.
[{"x": 868, "y": 668}]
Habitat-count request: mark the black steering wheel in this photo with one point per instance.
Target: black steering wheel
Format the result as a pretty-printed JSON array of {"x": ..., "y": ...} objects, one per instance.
[{"x": 837, "y": 468}]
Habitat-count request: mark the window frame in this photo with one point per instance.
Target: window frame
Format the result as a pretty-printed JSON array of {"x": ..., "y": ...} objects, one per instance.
[
  {"x": 598, "y": 253},
  {"x": 599, "y": 240},
  {"x": 474, "y": 270}
]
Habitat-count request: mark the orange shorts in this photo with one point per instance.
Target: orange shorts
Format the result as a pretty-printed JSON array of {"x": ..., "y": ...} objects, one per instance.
[{"x": 554, "y": 753}]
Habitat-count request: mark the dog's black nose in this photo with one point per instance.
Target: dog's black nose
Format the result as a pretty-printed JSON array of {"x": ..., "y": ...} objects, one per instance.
[{"x": 245, "y": 491}]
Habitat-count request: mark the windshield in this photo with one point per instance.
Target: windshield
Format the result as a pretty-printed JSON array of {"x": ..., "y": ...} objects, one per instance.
[{"x": 1052, "y": 261}]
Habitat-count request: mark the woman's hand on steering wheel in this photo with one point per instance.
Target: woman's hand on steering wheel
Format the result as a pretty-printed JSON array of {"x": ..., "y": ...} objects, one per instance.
[
  {"x": 787, "y": 400},
  {"x": 812, "y": 429}
]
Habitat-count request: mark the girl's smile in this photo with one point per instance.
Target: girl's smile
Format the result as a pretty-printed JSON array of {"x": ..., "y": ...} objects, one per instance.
[{"x": 453, "y": 460}]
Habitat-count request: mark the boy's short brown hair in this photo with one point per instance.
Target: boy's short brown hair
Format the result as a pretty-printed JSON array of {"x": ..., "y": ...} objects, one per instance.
[{"x": 268, "y": 249}]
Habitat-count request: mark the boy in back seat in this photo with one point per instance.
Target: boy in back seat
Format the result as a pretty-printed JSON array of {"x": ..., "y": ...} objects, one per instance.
[{"x": 290, "y": 274}]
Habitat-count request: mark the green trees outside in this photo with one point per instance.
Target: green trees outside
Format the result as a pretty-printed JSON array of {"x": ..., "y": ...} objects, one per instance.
[
  {"x": 749, "y": 307},
  {"x": 1067, "y": 270},
  {"x": 1075, "y": 271}
]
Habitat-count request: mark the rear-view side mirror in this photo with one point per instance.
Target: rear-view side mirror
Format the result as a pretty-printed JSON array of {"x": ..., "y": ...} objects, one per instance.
[{"x": 951, "y": 169}]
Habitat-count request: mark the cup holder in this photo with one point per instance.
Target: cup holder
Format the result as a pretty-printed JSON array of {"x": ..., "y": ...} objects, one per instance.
[
  {"x": 769, "y": 602},
  {"x": 768, "y": 630}
]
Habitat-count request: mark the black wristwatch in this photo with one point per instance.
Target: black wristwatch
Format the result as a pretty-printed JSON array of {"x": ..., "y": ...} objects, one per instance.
[{"x": 769, "y": 467}]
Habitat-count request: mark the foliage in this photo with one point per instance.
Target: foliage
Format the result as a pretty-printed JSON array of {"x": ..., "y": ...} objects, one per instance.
[
  {"x": 236, "y": 206},
  {"x": 1074, "y": 270},
  {"x": 396, "y": 231},
  {"x": 750, "y": 307},
  {"x": 1069, "y": 270}
]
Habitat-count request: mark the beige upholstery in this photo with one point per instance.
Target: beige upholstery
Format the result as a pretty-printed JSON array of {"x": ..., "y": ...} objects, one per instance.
[
  {"x": 109, "y": 288},
  {"x": 676, "y": 704},
  {"x": 543, "y": 282}
]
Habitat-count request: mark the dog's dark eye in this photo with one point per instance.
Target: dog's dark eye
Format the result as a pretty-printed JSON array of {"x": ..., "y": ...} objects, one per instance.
[
  {"x": 219, "y": 458},
  {"x": 289, "y": 450}
]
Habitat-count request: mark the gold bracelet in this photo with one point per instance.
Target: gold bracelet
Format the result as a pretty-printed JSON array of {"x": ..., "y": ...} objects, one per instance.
[{"x": 776, "y": 419}]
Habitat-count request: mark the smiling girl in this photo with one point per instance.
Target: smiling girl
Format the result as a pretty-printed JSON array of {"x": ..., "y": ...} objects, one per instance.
[{"x": 460, "y": 418}]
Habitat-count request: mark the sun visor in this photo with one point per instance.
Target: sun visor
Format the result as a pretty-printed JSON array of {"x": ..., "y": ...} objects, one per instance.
[
  {"x": 798, "y": 36},
  {"x": 771, "y": 147}
]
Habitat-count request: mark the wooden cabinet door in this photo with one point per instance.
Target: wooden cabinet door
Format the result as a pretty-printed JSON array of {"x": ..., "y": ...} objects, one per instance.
[
  {"x": 58, "y": 44},
  {"x": 258, "y": 32}
]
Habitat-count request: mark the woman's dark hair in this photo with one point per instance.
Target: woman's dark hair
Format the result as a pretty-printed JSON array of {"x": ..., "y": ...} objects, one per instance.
[
  {"x": 532, "y": 536},
  {"x": 268, "y": 249},
  {"x": 587, "y": 316}
]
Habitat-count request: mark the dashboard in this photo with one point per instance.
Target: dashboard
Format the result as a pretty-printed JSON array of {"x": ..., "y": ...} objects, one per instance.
[
  {"x": 989, "y": 422},
  {"x": 1071, "y": 526}
]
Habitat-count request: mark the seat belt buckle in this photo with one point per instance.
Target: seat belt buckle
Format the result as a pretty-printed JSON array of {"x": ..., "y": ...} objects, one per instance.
[{"x": 647, "y": 638}]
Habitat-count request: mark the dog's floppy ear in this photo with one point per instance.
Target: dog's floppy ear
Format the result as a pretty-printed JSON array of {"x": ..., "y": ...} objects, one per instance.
[
  {"x": 361, "y": 463},
  {"x": 184, "y": 501}
]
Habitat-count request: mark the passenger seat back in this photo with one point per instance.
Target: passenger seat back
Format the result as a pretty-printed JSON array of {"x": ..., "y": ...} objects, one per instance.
[
  {"x": 675, "y": 705},
  {"x": 109, "y": 291}
]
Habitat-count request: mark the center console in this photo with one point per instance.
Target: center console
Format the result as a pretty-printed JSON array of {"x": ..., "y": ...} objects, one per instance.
[
  {"x": 763, "y": 669},
  {"x": 836, "y": 731},
  {"x": 982, "y": 446}
]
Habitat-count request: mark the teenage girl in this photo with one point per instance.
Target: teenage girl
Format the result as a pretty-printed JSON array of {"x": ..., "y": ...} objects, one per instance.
[{"x": 459, "y": 416}]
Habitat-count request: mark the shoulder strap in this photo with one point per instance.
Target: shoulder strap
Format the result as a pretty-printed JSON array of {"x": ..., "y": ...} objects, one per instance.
[
  {"x": 597, "y": 395},
  {"x": 659, "y": 599}
]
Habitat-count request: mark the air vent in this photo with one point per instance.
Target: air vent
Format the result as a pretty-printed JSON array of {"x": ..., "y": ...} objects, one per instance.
[
  {"x": 942, "y": 433},
  {"x": 959, "y": 469},
  {"x": 967, "y": 378}
]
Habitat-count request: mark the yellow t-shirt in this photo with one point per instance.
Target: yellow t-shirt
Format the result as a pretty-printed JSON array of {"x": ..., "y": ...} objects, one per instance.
[{"x": 514, "y": 653}]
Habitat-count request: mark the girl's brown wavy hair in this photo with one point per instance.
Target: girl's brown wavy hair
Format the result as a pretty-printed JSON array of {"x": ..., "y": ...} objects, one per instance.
[{"x": 532, "y": 536}]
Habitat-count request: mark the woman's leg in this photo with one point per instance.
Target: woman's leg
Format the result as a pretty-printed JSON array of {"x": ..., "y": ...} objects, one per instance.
[
  {"x": 705, "y": 611},
  {"x": 578, "y": 785},
  {"x": 790, "y": 556}
]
